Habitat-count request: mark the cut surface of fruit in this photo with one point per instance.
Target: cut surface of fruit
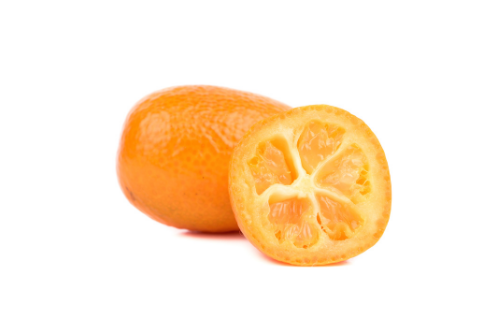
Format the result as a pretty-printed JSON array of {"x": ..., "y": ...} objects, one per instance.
[
  {"x": 311, "y": 186},
  {"x": 269, "y": 166},
  {"x": 317, "y": 142},
  {"x": 175, "y": 148},
  {"x": 291, "y": 221}
]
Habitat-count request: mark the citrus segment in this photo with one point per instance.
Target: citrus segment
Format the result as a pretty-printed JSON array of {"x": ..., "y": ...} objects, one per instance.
[
  {"x": 291, "y": 221},
  {"x": 270, "y": 166},
  {"x": 347, "y": 172},
  {"x": 311, "y": 186},
  {"x": 339, "y": 220},
  {"x": 318, "y": 141}
]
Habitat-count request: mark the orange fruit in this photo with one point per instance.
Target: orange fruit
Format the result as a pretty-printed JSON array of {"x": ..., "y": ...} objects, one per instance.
[
  {"x": 311, "y": 186},
  {"x": 174, "y": 153}
]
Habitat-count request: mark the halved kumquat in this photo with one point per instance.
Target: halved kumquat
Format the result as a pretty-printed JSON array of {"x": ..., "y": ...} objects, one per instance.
[{"x": 311, "y": 186}]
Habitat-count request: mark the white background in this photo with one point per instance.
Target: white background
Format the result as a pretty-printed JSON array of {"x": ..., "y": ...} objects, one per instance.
[{"x": 75, "y": 256}]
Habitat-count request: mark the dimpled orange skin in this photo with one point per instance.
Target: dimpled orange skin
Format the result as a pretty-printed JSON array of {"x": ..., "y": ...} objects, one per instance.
[{"x": 174, "y": 153}]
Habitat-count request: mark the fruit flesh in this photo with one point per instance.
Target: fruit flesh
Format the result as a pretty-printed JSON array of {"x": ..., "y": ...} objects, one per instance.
[
  {"x": 317, "y": 142},
  {"x": 339, "y": 220},
  {"x": 348, "y": 173},
  {"x": 291, "y": 220},
  {"x": 338, "y": 203},
  {"x": 269, "y": 167},
  {"x": 336, "y": 185}
]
